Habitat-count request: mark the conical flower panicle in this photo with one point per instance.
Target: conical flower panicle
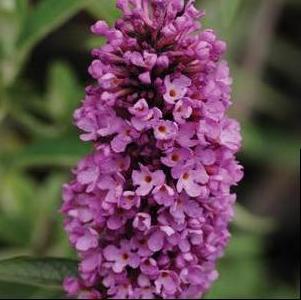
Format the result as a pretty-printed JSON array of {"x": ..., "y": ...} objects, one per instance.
[{"x": 148, "y": 210}]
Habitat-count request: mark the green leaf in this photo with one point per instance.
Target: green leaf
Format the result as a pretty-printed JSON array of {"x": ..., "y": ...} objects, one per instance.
[
  {"x": 64, "y": 91},
  {"x": 43, "y": 272},
  {"x": 105, "y": 10},
  {"x": 31, "y": 123},
  {"x": 262, "y": 144},
  {"x": 244, "y": 245},
  {"x": 18, "y": 207},
  {"x": 241, "y": 278},
  {"x": 242, "y": 273},
  {"x": 8, "y": 36},
  {"x": 247, "y": 221},
  {"x": 229, "y": 9},
  {"x": 64, "y": 151},
  {"x": 47, "y": 16},
  {"x": 22, "y": 9},
  {"x": 10, "y": 290},
  {"x": 46, "y": 230},
  {"x": 14, "y": 231},
  {"x": 7, "y": 5},
  {"x": 16, "y": 291},
  {"x": 225, "y": 17},
  {"x": 94, "y": 42},
  {"x": 43, "y": 19}
]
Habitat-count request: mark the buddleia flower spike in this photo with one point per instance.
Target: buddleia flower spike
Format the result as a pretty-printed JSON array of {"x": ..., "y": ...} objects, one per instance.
[{"x": 148, "y": 210}]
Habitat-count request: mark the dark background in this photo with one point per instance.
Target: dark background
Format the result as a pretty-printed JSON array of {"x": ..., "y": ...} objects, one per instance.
[{"x": 44, "y": 55}]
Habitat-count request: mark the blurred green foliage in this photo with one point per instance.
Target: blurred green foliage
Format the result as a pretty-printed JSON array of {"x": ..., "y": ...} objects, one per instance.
[{"x": 39, "y": 145}]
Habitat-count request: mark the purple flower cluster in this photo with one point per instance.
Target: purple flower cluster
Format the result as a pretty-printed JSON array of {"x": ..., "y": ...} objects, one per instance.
[{"x": 148, "y": 210}]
